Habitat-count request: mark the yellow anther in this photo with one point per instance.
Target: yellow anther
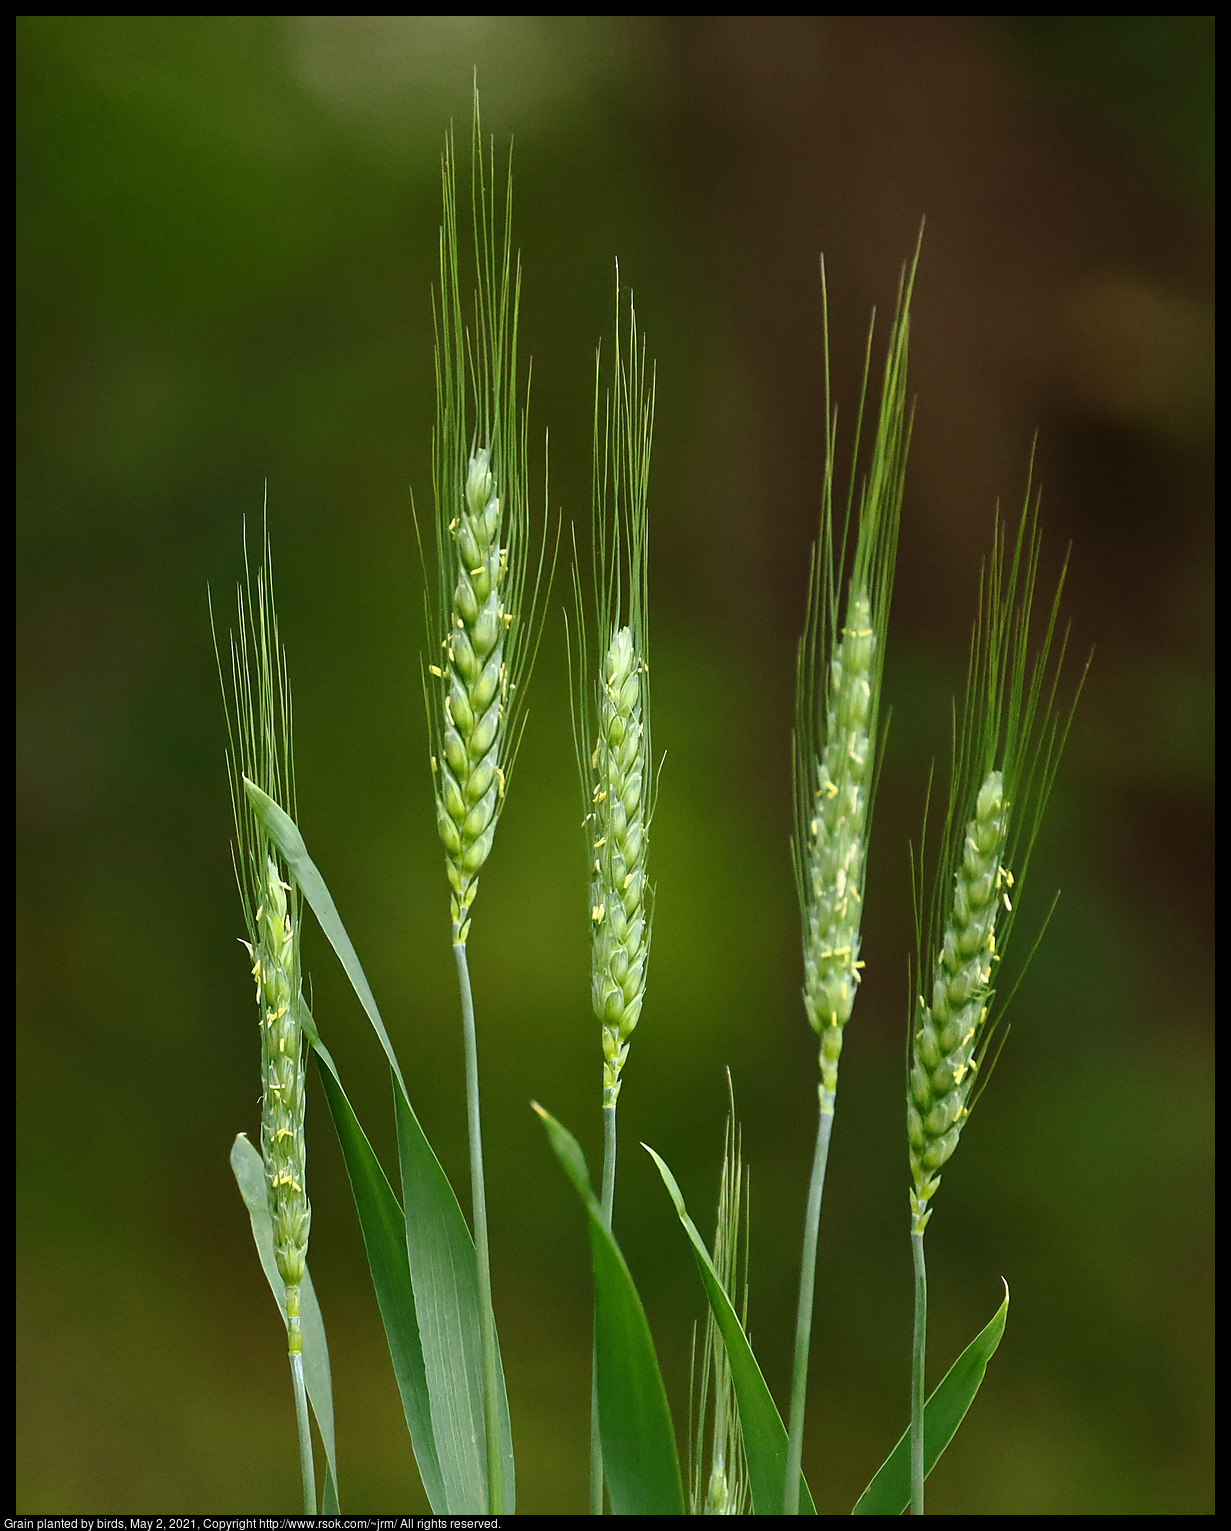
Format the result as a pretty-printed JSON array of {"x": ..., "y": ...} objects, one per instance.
[
  {"x": 627, "y": 880},
  {"x": 597, "y": 914},
  {"x": 500, "y": 778},
  {"x": 598, "y": 844},
  {"x": 479, "y": 570},
  {"x": 829, "y": 789}
]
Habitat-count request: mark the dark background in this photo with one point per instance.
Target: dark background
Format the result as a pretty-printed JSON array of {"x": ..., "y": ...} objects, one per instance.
[{"x": 227, "y": 235}]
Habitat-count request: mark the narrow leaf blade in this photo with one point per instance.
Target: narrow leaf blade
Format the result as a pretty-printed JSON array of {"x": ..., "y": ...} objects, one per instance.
[
  {"x": 640, "y": 1462},
  {"x": 889, "y": 1491},
  {"x": 384, "y": 1239},
  {"x": 446, "y": 1291},
  {"x": 285, "y": 834},
  {"x": 765, "y": 1438},
  {"x": 249, "y": 1171}
]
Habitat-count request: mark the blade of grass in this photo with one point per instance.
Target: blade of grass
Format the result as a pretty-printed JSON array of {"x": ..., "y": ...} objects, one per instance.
[
  {"x": 640, "y": 1462},
  {"x": 284, "y": 832},
  {"x": 889, "y": 1491},
  {"x": 765, "y": 1437},
  {"x": 441, "y": 1250},
  {"x": 384, "y": 1238},
  {"x": 249, "y": 1171},
  {"x": 447, "y": 1302}
]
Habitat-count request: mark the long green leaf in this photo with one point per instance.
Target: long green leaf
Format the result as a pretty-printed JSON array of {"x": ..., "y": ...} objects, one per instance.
[
  {"x": 889, "y": 1491},
  {"x": 440, "y": 1248},
  {"x": 285, "y": 834},
  {"x": 640, "y": 1462},
  {"x": 447, "y": 1303},
  {"x": 249, "y": 1171},
  {"x": 765, "y": 1441},
  {"x": 384, "y": 1239}
]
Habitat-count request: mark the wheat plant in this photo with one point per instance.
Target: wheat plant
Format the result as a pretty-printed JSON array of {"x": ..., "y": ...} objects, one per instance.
[
  {"x": 482, "y": 617},
  {"x": 258, "y": 714},
  {"x": 837, "y": 711},
  {"x": 1006, "y": 752},
  {"x": 611, "y": 733}
]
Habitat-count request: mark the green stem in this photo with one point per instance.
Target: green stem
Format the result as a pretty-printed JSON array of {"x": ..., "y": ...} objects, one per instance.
[
  {"x": 918, "y": 1355},
  {"x": 609, "y": 1160},
  {"x": 803, "y": 1321},
  {"x": 487, "y": 1322},
  {"x": 608, "y": 1203},
  {"x": 306, "y": 1469}
]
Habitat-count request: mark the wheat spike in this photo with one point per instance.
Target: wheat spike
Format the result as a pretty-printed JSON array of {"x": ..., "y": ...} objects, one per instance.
[
  {"x": 259, "y": 726},
  {"x": 612, "y": 715},
  {"x": 838, "y": 686},
  {"x": 481, "y": 620},
  {"x": 1006, "y": 753}
]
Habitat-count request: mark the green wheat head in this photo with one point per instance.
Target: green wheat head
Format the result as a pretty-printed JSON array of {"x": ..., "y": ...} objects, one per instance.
[
  {"x": 258, "y": 711},
  {"x": 611, "y": 716},
  {"x": 837, "y": 700},
  {"x": 480, "y": 622},
  {"x": 1005, "y": 755}
]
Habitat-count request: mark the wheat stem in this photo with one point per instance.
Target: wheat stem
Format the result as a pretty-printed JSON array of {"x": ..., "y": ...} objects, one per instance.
[
  {"x": 803, "y": 1318},
  {"x": 918, "y": 1356},
  {"x": 306, "y": 1469},
  {"x": 487, "y": 1322},
  {"x": 608, "y": 1205}
]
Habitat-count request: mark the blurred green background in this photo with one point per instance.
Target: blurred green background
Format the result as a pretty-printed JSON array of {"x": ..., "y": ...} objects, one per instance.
[{"x": 226, "y": 241}]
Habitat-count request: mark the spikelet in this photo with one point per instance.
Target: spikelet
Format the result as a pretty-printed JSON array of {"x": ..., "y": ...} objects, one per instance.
[
  {"x": 612, "y": 720},
  {"x": 838, "y": 684},
  {"x": 480, "y": 621},
  {"x": 259, "y": 727},
  {"x": 1005, "y": 759}
]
